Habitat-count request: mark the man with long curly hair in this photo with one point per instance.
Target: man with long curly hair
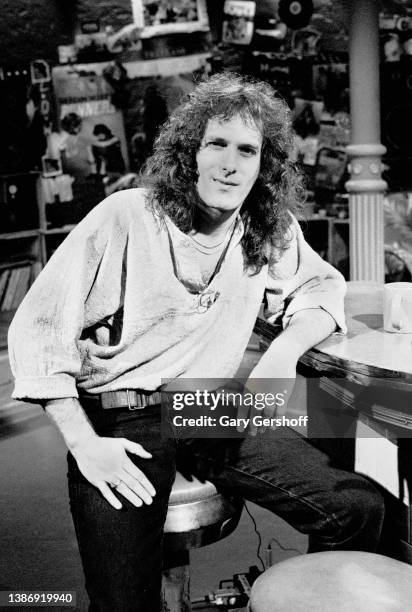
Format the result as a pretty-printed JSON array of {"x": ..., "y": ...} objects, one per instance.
[{"x": 164, "y": 283}]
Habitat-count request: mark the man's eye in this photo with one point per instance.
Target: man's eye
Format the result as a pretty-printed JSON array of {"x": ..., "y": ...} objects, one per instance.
[
  {"x": 248, "y": 151},
  {"x": 217, "y": 143}
]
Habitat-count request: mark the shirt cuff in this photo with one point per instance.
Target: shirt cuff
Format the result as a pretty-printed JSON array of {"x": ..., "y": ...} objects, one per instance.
[
  {"x": 309, "y": 301},
  {"x": 45, "y": 387}
]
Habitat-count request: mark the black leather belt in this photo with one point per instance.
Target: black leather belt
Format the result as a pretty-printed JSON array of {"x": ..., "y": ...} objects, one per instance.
[{"x": 132, "y": 399}]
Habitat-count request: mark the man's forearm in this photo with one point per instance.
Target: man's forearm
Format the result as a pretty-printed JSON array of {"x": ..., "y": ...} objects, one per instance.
[
  {"x": 71, "y": 420},
  {"x": 306, "y": 329}
]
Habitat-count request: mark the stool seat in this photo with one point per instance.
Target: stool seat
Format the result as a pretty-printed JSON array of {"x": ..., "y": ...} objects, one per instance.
[
  {"x": 335, "y": 581},
  {"x": 185, "y": 491},
  {"x": 198, "y": 514}
]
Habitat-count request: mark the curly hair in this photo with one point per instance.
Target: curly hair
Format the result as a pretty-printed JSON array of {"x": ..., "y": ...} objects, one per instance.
[{"x": 171, "y": 172}]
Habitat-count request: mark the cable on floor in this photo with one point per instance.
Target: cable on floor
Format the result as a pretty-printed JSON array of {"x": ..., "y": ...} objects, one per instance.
[
  {"x": 284, "y": 547},
  {"x": 258, "y": 552}
]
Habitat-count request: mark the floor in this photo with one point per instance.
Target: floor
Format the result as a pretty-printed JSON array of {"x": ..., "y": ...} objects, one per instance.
[{"x": 37, "y": 544}]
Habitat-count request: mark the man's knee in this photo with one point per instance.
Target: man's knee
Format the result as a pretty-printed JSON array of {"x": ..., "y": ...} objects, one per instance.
[
  {"x": 366, "y": 504},
  {"x": 359, "y": 513}
]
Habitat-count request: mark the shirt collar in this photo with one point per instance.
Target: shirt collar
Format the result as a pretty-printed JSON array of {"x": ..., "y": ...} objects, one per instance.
[
  {"x": 186, "y": 269},
  {"x": 180, "y": 240}
]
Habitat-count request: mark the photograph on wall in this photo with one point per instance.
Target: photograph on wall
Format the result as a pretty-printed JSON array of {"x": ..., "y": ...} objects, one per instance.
[
  {"x": 158, "y": 17},
  {"x": 238, "y": 22}
]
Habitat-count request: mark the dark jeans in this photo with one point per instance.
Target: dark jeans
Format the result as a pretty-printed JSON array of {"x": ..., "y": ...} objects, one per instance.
[{"x": 121, "y": 551}]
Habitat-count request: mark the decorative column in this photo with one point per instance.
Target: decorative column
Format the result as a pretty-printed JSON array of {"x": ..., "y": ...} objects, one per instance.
[{"x": 365, "y": 186}]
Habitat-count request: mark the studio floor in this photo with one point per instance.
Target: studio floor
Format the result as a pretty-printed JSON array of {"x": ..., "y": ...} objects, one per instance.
[{"x": 38, "y": 549}]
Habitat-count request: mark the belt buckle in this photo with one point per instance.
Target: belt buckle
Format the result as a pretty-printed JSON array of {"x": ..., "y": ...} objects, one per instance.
[{"x": 129, "y": 404}]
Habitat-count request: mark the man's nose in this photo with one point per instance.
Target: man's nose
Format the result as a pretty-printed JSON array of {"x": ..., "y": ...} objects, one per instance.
[{"x": 228, "y": 161}]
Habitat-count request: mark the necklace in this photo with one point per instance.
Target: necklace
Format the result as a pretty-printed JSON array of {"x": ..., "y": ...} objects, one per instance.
[
  {"x": 209, "y": 247},
  {"x": 214, "y": 248}
]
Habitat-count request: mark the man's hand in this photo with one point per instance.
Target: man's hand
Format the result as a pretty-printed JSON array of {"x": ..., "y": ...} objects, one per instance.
[
  {"x": 105, "y": 464},
  {"x": 102, "y": 461}
]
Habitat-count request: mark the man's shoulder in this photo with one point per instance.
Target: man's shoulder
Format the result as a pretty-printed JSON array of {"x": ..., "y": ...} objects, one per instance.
[
  {"x": 123, "y": 212},
  {"x": 126, "y": 205},
  {"x": 126, "y": 199}
]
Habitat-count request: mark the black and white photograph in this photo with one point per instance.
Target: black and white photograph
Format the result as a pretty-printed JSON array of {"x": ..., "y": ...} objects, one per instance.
[{"x": 206, "y": 305}]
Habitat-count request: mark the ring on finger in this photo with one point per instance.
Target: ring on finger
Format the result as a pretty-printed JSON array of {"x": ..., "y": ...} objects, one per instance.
[{"x": 114, "y": 485}]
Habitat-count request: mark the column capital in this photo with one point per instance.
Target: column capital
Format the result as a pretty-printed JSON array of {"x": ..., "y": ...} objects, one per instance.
[
  {"x": 373, "y": 149},
  {"x": 365, "y": 168}
]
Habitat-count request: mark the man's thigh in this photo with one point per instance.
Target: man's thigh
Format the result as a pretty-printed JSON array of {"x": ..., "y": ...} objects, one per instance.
[{"x": 279, "y": 470}]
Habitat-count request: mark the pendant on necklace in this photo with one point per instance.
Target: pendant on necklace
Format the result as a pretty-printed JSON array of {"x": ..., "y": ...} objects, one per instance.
[{"x": 206, "y": 299}]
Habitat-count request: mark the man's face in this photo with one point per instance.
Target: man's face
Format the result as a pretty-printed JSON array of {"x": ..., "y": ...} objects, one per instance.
[{"x": 228, "y": 163}]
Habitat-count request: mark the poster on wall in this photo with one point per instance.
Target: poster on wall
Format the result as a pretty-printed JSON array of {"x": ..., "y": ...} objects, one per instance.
[
  {"x": 86, "y": 150},
  {"x": 238, "y": 22},
  {"x": 101, "y": 128},
  {"x": 159, "y": 17}
]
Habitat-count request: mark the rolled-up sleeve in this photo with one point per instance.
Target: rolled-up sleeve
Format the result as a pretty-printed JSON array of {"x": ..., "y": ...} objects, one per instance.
[
  {"x": 43, "y": 336},
  {"x": 302, "y": 280}
]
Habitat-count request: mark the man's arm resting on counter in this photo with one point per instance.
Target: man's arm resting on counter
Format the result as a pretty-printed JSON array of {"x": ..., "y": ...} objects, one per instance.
[
  {"x": 306, "y": 329},
  {"x": 276, "y": 369},
  {"x": 101, "y": 460}
]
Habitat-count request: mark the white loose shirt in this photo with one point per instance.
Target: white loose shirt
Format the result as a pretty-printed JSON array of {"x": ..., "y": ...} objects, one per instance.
[{"x": 115, "y": 308}]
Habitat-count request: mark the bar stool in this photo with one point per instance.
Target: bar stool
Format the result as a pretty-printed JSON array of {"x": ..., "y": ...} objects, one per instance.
[
  {"x": 197, "y": 515},
  {"x": 335, "y": 581}
]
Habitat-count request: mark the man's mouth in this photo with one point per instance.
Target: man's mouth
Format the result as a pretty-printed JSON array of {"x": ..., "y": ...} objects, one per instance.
[{"x": 225, "y": 183}]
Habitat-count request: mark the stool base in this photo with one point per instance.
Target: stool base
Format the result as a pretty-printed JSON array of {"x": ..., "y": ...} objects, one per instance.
[{"x": 176, "y": 583}]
